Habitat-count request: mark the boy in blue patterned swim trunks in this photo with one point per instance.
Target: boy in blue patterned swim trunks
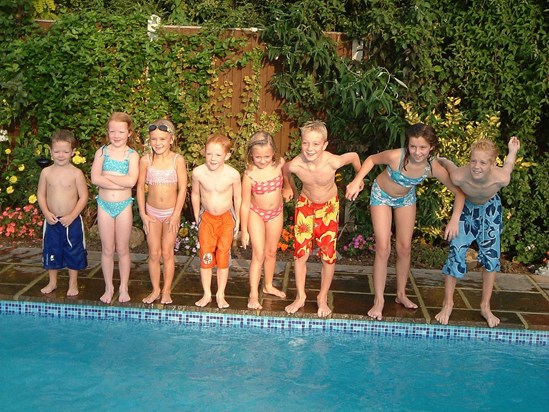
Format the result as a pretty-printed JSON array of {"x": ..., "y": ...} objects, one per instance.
[{"x": 481, "y": 221}]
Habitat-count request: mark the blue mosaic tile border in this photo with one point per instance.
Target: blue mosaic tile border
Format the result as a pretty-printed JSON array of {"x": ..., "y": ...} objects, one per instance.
[{"x": 407, "y": 330}]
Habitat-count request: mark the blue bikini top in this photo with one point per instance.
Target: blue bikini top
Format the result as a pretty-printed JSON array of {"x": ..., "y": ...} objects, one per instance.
[
  {"x": 405, "y": 181},
  {"x": 113, "y": 165}
]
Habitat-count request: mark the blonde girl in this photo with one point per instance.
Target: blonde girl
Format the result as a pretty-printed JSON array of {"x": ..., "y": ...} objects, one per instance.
[
  {"x": 164, "y": 173},
  {"x": 261, "y": 214},
  {"x": 114, "y": 171},
  {"x": 393, "y": 192}
]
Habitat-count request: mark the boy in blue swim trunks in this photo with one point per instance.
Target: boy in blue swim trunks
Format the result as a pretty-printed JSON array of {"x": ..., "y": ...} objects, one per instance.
[
  {"x": 62, "y": 195},
  {"x": 481, "y": 221}
]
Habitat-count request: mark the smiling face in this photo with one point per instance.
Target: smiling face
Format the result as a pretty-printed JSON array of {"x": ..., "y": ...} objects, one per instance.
[
  {"x": 61, "y": 153},
  {"x": 118, "y": 133},
  {"x": 215, "y": 156},
  {"x": 160, "y": 141},
  {"x": 262, "y": 156},
  {"x": 480, "y": 164},
  {"x": 419, "y": 149},
  {"x": 312, "y": 145}
]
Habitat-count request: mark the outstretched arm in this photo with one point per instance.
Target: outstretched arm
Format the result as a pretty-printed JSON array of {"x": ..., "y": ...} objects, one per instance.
[
  {"x": 446, "y": 163},
  {"x": 514, "y": 146}
]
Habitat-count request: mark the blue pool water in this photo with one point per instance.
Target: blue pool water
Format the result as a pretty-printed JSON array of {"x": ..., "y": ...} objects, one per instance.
[{"x": 78, "y": 364}]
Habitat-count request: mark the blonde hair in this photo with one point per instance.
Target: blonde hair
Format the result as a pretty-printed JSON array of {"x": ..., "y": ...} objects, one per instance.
[
  {"x": 218, "y": 138},
  {"x": 316, "y": 126},
  {"x": 171, "y": 131},
  {"x": 261, "y": 139},
  {"x": 486, "y": 145}
]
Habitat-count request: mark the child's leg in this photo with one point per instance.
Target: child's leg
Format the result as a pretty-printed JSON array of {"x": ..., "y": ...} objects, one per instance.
[
  {"x": 488, "y": 279},
  {"x": 206, "y": 279},
  {"x": 155, "y": 251},
  {"x": 405, "y": 218},
  {"x": 222, "y": 278},
  {"x": 273, "y": 229},
  {"x": 52, "y": 284},
  {"x": 123, "y": 230},
  {"x": 381, "y": 220},
  {"x": 168, "y": 263},
  {"x": 73, "y": 283},
  {"x": 449, "y": 287},
  {"x": 300, "y": 268},
  {"x": 327, "y": 275},
  {"x": 105, "y": 224},
  {"x": 257, "y": 228}
]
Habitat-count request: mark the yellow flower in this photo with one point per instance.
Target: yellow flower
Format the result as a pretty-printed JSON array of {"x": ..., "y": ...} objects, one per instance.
[
  {"x": 21, "y": 168},
  {"x": 32, "y": 199},
  {"x": 9, "y": 190},
  {"x": 77, "y": 159},
  {"x": 7, "y": 151},
  {"x": 13, "y": 179}
]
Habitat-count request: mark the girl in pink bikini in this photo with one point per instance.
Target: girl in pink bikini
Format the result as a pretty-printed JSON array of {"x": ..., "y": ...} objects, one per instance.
[
  {"x": 261, "y": 214},
  {"x": 164, "y": 173}
]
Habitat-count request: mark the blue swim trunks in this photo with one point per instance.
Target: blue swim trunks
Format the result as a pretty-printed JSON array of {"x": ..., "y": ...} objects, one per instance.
[
  {"x": 379, "y": 197},
  {"x": 64, "y": 247},
  {"x": 480, "y": 223}
]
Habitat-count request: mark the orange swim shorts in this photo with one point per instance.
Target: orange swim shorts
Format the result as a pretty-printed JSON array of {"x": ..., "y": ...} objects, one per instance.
[
  {"x": 215, "y": 235},
  {"x": 318, "y": 221}
]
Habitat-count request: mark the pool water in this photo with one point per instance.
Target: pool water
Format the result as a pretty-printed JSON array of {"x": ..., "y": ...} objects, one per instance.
[{"x": 78, "y": 364}]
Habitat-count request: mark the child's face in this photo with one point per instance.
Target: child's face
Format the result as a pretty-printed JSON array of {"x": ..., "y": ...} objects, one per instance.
[
  {"x": 160, "y": 141},
  {"x": 61, "y": 153},
  {"x": 215, "y": 156},
  {"x": 262, "y": 156},
  {"x": 118, "y": 133},
  {"x": 480, "y": 164},
  {"x": 312, "y": 145},
  {"x": 419, "y": 149}
]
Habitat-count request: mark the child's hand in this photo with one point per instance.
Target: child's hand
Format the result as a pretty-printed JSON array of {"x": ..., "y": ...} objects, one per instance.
[
  {"x": 66, "y": 220},
  {"x": 146, "y": 221},
  {"x": 245, "y": 239},
  {"x": 514, "y": 145},
  {"x": 452, "y": 229},
  {"x": 173, "y": 223},
  {"x": 353, "y": 189},
  {"x": 287, "y": 194},
  {"x": 51, "y": 218}
]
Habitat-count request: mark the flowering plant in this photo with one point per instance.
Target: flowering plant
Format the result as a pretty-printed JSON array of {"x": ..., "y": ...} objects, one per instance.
[
  {"x": 21, "y": 222},
  {"x": 358, "y": 244},
  {"x": 286, "y": 238},
  {"x": 187, "y": 239}
]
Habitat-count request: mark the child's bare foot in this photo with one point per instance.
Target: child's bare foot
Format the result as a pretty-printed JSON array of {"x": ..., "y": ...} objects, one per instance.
[
  {"x": 155, "y": 295},
  {"x": 487, "y": 314},
  {"x": 221, "y": 302},
  {"x": 271, "y": 290},
  {"x": 49, "y": 288},
  {"x": 404, "y": 301},
  {"x": 206, "y": 299},
  {"x": 123, "y": 296},
  {"x": 72, "y": 291},
  {"x": 107, "y": 296},
  {"x": 166, "y": 298},
  {"x": 377, "y": 309},
  {"x": 253, "y": 303},
  {"x": 444, "y": 315},
  {"x": 323, "y": 309},
  {"x": 295, "y": 305}
]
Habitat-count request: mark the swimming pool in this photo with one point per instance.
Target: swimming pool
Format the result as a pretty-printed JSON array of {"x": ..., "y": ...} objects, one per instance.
[{"x": 64, "y": 359}]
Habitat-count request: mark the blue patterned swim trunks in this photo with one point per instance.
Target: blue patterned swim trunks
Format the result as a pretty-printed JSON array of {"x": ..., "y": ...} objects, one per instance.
[{"x": 480, "y": 223}]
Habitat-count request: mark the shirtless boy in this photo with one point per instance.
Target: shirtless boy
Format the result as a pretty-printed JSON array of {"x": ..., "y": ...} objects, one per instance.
[
  {"x": 481, "y": 221},
  {"x": 216, "y": 198},
  {"x": 317, "y": 209},
  {"x": 62, "y": 195}
]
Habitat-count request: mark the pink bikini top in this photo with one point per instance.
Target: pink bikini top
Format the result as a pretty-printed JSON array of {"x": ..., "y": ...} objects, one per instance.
[
  {"x": 161, "y": 176},
  {"x": 260, "y": 188}
]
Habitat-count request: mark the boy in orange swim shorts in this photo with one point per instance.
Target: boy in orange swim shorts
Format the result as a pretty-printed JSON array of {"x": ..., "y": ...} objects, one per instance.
[
  {"x": 317, "y": 209},
  {"x": 215, "y": 195}
]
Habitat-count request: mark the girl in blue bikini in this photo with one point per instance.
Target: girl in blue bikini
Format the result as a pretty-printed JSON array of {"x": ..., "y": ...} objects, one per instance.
[
  {"x": 261, "y": 213},
  {"x": 393, "y": 191},
  {"x": 114, "y": 171}
]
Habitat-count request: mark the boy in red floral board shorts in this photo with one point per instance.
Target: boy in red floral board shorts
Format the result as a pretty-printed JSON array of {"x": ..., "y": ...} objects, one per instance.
[{"x": 317, "y": 209}]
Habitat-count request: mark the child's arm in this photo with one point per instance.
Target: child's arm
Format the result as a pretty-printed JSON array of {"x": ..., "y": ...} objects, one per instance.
[
  {"x": 452, "y": 228},
  {"x": 174, "y": 221},
  {"x": 245, "y": 210},
  {"x": 237, "y": 200},
  {"x": 357, "y": 184},
  {"x": 446, "y": 163},
  {"x": 289, "y": 190},
  {"x": 195, "y": 195},
  {"x": 41, "y": 195},
  {"x": 82, "y": 189},
  {"x": 509, "y": 164},
  {"x": 140, "y": 195},
  {"x": 96, "y": 175},
  {"x": 129, "y": 180}
]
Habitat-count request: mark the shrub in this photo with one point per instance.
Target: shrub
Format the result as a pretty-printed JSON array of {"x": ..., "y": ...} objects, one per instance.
[{"x": 21, "y": 222}]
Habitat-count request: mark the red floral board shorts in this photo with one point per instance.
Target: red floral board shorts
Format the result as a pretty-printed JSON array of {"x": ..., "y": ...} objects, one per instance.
[
  {"x": 318, "y": 222},
  {"x": 215, "y": 235}
]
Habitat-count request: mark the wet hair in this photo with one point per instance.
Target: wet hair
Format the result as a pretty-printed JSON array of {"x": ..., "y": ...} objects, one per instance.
[
  {"x": 486, "y": 145},
  {"x": 261, "y": 139},
  {"x": 123, "y": 118},
  {"x": 171, "y": 130},
  {"x": 420, "y": 130},
  {"x": 218, "y": 138},
  {"x": 64, "y": 135},
  {"x": 317, "y": 126}
]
